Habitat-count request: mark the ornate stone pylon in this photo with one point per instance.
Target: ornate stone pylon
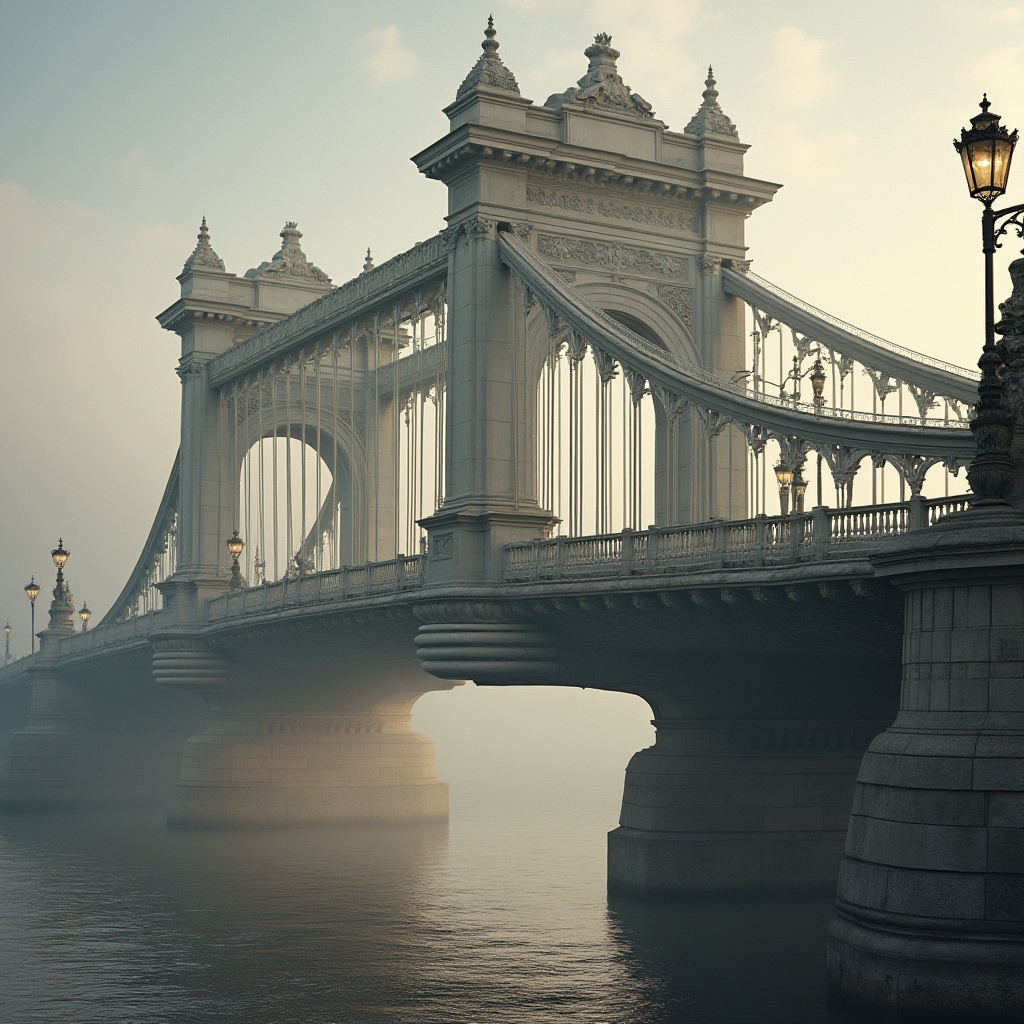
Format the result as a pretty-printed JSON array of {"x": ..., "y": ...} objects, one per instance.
[{"x": 930, "y": 908}]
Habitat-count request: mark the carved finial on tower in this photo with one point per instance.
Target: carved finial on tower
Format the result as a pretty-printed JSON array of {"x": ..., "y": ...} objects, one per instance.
[
  {"x": 289, "y": 260},
  {"x": 710, "y": 119},
  {"x": 601, "y": 88},
  {"x": 489, "y": 71},
  {"x": 368, "y": 262},
  {"x": 203, "y": 254}
]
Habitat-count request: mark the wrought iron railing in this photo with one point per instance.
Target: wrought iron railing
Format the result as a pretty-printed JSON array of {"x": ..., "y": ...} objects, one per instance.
[{"x": 346, "y": 583}]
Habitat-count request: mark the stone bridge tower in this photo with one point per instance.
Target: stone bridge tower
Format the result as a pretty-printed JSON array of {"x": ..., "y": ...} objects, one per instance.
[{"x": 639, "y": 218}]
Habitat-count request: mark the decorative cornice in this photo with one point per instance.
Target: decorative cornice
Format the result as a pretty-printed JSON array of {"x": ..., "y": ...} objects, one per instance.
[
  {"x": 289, "y": 260},
  {"x": 203, "y": 254},
  {"x": 601, "y": 89},
  {"x": 489, "y": 70},
  {"x": 710, "y": 118},
  {"x": 597, "y": 206}
]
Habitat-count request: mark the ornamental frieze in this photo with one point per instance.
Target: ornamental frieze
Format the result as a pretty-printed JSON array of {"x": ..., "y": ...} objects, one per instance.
[
  {"x": 631, "y": 212},
  {"x": 612, "y": 257},
  {"x": 679, "y": 300}
]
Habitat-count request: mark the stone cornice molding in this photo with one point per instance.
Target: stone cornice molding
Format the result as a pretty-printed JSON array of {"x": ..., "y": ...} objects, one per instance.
[{"x": 559, "y": 163}]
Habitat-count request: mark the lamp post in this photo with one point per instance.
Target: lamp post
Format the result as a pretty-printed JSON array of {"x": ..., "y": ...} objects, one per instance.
[
  {"x": 32, "y": 592},
  {"x": 799, "y": 489},
  {"x": 986, "y": 149},
  {"x": 62, "y": 608},
  {"x": 784, "y": 475},
  {"x": 235, "y": 546},
  {"x": 7, "y": 642},
  {"x": 85, "y": 614}
]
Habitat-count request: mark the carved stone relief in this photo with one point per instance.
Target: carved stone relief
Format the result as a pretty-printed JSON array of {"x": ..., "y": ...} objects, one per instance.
[
  {"x": 593, "y": 206},
  {"x": 612, "y": 257},
  {"x": 679, "y": 300}
]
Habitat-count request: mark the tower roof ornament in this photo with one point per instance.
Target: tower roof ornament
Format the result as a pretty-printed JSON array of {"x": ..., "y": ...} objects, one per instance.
[
  {"x": 489, "y": 71},
  {"x": 710, "y": 118},
  {"x": 289, "y": 260},
  {"x": 368, "y": 262},
  {"x": 203, "y": 254},
  {"x": 601, "y": 88}
]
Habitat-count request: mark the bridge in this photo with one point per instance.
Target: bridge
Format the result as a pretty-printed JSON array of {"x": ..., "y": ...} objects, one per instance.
[{"x": 575, "y": 439}]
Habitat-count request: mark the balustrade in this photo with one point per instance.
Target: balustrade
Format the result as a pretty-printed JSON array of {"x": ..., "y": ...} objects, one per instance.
[{"x": 778, "y": 540}]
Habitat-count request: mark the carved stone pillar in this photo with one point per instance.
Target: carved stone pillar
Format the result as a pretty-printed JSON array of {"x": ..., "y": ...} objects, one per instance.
[
  {"x": 930, "y": 909},
  {"x": 45, "y": 759},
  {"x": 266, "y": 760},
  {"x": 736, "y": 807}
]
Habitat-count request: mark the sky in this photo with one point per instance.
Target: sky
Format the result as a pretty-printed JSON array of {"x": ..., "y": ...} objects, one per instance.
[{"x": 123, "y": 123}]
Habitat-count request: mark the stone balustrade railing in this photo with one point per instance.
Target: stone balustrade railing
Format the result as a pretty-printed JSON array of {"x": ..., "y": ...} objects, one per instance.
[
  {"x": 348, "y": 582},
  {"x": 762, "y": 541}
]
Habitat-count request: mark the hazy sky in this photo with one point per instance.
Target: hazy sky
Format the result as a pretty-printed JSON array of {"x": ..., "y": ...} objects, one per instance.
[{"x": 123, "y": 123}]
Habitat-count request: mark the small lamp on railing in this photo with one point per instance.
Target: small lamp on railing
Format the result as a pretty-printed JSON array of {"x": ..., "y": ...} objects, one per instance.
[
  {"x": 86, "y": 614},
  {"x": 7, "y": 642},
  {"x": 235, "y": 546},
  {"x": 32, "y": 592},
  {"x": 784, "y": 475},
  {"x": 799, "y": 489},
  {"x": 818, "y": 384}
]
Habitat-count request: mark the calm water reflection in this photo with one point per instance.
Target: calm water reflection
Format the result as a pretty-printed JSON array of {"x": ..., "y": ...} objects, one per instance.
[{"x": 110, "y": 918}]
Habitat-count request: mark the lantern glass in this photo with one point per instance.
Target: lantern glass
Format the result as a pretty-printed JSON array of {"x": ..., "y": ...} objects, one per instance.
[
  {"x": 235, "y": 544},
  {"x": 32, "y": 590},
  {"x": 60, "y": 555},
  {"x": 85, "y": 613},
  {"x": 784, "y": 475},
  {"x": 986, "y": 149}
]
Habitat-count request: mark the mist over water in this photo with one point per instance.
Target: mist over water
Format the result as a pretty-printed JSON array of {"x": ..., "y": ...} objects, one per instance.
[{"x": 500, "y": 916}]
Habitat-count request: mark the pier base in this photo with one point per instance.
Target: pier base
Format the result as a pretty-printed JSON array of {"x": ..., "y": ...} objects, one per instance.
[{"x": 718, "y": 808}]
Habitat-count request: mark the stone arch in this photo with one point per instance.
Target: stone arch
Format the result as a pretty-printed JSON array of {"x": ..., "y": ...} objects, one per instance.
[{"x": 335, "y": 443}]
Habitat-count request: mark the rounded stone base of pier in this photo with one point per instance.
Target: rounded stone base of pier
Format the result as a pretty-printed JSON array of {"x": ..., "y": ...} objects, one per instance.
[
  {"x": 737, "y": 808},
  {"x": 307, "y": 770},
  {"x": 895, "y": 977}
]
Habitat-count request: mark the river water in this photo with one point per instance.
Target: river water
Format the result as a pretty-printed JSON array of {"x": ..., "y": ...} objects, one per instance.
[{"x": 501, "y": 916}]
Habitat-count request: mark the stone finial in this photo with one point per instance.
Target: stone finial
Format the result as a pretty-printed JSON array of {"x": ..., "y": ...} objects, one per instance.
[
  {"x": 289, "y": 260},
  {"x": 489, "y": 71},
  {"x": 710, "y": 119},
  {"x": 368, "y": 262},
  {"x": 203, "y": 254},
  {"x": 601, "y": 88}
]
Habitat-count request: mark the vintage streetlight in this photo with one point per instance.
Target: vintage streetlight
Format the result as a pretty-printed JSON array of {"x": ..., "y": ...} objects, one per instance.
[
  {"x": 62, "y": 609},
  {"x": 86, "y": 614},
  {"x": 799, "y": 489},
  {"x": 235, "y": 546},
  {"x": 986, "y": 149},
  {"x": 7, "y": 642},
  {"x": 32, "y": 592},
  {"x": 784, "y": 475}
]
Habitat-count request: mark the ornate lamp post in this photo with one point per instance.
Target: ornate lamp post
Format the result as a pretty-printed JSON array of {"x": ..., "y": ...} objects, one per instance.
[
  {"x": 799, "y": 489},
  {"x": 7, "y": 642},
  {"x": 986, "y": 149},
  {"x": 62, "y": 608},
  {"x": 784, "y": 475},
  {"x": 32, "y": 592},
  {"x": 85, "y": 614},
  {"x": 235, "y": 546}
]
